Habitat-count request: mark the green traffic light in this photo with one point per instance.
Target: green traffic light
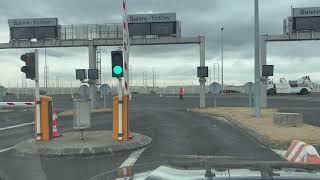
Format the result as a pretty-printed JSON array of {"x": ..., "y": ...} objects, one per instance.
[{"x": 117, "y": 69}]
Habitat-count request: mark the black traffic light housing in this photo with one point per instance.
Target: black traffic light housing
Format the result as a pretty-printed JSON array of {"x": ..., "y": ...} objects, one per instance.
[
  {"x": 117, "y": 63},
  {"x": 81, "y": 74},
  {"x": 30, "y": 65},
  {"x": 93, "y": 74},
  {"x": 202, "y": 71}
]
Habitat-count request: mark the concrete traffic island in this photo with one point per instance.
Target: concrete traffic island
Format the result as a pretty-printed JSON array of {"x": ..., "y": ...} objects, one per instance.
[{"x": 71, "y": 144}]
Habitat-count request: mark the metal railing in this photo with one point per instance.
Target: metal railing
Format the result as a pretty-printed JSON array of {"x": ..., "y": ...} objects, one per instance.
[{"x": 90, "y": 31}]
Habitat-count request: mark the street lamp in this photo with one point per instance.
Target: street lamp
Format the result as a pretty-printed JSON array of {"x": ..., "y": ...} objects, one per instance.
[
  {"x": 257, "y": 59},
  {"x": 222, "y": 88},
  {"x": 214, "y": 72}
]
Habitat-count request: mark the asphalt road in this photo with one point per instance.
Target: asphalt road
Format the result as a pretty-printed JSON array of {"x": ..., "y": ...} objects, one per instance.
[{"x": 175, "y": 132}]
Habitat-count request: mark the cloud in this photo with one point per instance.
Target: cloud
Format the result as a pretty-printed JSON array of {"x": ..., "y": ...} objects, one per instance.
[{"x": 206, "y": 17}]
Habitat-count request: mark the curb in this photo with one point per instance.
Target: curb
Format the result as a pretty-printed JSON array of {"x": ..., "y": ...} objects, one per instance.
[
  {"x": 134, "y": 144},
  {"x": 264, "y": 141}
]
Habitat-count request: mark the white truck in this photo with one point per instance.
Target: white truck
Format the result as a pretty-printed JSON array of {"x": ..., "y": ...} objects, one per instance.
[{"x": 302, "y": 86}]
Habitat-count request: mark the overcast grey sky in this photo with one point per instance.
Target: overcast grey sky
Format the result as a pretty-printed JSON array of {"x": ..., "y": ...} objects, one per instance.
[{"x": 175, "y": 64}]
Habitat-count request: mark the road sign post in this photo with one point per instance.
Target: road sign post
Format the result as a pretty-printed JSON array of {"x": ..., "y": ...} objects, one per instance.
[
  {"x": 249, "y": 90},
  {"x": 104, "y": 91},
  {"x": 104, "y": 101},
  {"x": 250, "y": 98},
  {"x": 215, "y": 88}
]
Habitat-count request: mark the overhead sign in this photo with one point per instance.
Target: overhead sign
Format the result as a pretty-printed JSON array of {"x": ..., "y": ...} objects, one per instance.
[
  {"x": 162, "y": 24},
  {"x": 148, "y": 18},
  {"x": 39, "y": 28},
  {"x": 33, "y": 22},
  {"x": 306, "y": 12}
]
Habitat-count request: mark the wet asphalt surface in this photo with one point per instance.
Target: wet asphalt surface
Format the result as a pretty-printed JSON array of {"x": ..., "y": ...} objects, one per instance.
[{"x": 175, "y": 132}]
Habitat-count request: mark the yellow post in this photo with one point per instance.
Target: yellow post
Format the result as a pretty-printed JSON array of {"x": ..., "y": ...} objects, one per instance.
[
  {"x": 115, "y": 119},
  {"x": 115, "y": 124},
  {"x": 45, "y": 118}
]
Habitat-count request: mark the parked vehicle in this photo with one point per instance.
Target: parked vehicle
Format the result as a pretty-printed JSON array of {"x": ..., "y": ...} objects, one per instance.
[{"x": 302, "y": 86}]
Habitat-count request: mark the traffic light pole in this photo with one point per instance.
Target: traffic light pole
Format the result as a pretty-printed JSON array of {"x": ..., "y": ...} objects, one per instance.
[
  {"x": 120, "y": 134},
  {"x": 37, "y": 94}
]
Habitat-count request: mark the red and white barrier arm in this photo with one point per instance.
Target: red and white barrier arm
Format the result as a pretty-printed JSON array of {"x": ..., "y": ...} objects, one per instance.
[{"x": 17, "y": 104}]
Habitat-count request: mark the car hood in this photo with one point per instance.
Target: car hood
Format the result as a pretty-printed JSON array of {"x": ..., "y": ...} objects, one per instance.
[
  {"x": 215, "y": 168},
  {"x": 166, "y": 172}
]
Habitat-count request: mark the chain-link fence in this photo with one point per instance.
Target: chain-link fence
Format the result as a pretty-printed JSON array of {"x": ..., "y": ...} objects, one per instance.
[{"x": 91, "y": 31}]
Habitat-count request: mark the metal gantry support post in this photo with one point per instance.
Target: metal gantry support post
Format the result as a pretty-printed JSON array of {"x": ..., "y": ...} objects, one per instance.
[
  {"x": 202, "y": 80},
  {"x": 263, "y": 61},
  {"x": 257, "y": 65},
  {"x": 37, "y": 94},
  {"x": 92, "y": 84}
]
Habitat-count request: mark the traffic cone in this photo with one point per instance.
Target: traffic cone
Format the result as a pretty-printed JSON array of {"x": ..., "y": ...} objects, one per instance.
[
  {"x": 130, "y": 135},
  {"x": 54, "y": 124}
]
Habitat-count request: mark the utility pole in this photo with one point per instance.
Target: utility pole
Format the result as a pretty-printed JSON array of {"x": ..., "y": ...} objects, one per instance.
[
  {"x": 222, "y": 86},
  {"x": 153, "y": 80},
  {"x": 145, "y": 82},
  {"x": 210, "y": 73},
  {"x": 218, "y": 73},
  {"x": 257, "y": 64},
  {"x": 214, "y": 72},
  {"x": 62, "y": 91}
]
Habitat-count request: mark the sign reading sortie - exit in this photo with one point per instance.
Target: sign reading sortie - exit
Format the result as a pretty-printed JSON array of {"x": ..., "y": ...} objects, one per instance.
[
  {"x": 33, "y": 22},
  {"x": 147, "y": 18}
]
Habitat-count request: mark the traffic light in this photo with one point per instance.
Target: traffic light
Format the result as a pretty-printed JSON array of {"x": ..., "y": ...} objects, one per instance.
[
  {"x": 30, "y": 67},
  {"x": 117, "y": 63}
]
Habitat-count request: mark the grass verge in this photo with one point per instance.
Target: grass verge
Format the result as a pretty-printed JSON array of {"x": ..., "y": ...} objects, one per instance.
[
  {"x": 264, "y": 125},
  {"x": 6, "y": 110}
]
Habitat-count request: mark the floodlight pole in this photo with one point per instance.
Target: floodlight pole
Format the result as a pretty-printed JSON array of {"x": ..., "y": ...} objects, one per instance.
[{"x": 257, "y": 60}]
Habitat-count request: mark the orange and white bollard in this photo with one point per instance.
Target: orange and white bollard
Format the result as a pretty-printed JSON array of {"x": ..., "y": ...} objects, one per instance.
[{"x": 301, "y": 152}]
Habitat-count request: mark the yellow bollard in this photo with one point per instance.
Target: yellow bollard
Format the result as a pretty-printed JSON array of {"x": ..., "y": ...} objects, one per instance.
[
  {"x": 115, "y": 124},
  {"x": 45, "y": 118}
]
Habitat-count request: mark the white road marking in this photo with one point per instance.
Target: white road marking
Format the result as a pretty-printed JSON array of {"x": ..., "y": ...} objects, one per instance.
[
  {"x": 313, "y": 99},
  {"x": 6, "y": 149},
  {"x": 157, "y": 108},
  {"x": 15, "y": 126},
  {"x": 300, "y": 108},
  {"x": 132, "y": 158}
]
